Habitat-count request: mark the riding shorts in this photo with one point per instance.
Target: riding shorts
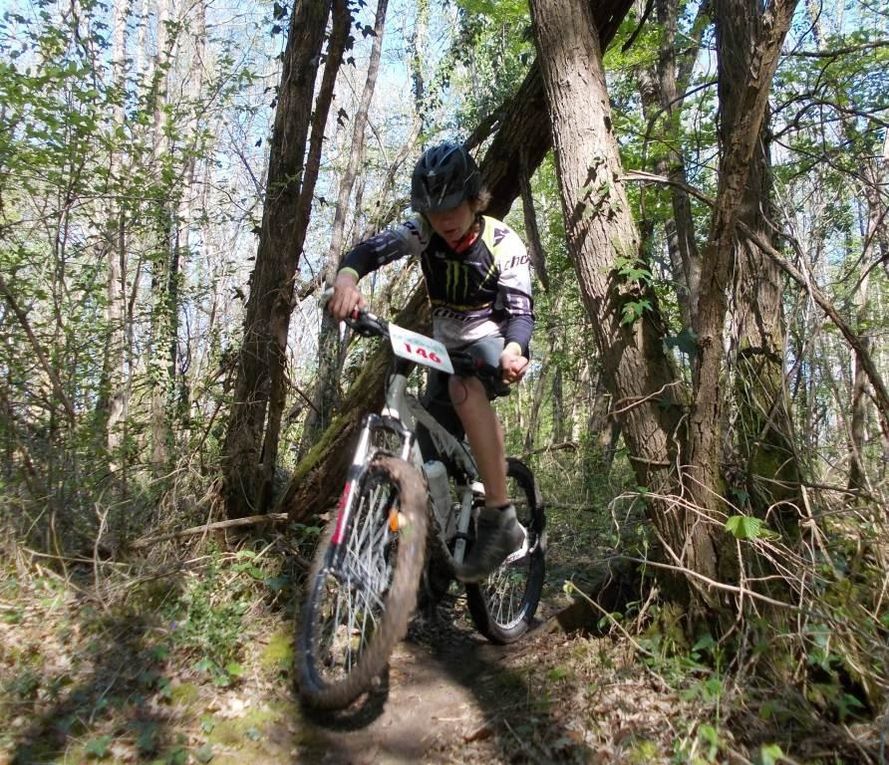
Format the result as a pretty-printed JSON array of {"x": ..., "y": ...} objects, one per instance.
[{"x": 437, "y": 398}]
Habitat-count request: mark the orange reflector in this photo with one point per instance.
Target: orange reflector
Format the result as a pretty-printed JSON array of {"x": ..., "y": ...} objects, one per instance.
[{"x": 393, "y": 521}]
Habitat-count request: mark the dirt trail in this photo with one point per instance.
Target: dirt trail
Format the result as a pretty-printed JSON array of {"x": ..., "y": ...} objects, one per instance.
[
  {"x": 446, "y": 698},
  {"x": 425, "y": 710}
]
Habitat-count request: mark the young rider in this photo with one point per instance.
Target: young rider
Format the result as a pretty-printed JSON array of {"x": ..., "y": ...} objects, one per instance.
[{"x": 478, "y": 279}]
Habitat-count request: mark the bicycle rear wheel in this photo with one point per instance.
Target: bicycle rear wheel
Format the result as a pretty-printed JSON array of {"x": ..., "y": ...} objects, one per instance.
[
  {"x": 362, "y": 588},
  {"x": 503, "y": 605}
]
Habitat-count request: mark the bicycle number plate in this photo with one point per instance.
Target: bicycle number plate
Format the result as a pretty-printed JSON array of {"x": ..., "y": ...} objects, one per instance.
[{"x": 420, "y": 349}]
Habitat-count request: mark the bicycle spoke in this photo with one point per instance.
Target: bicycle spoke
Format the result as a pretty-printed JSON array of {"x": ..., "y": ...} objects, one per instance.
[
  {"x": 504, "y": 603},
  {"x": 355, "y": 591}
]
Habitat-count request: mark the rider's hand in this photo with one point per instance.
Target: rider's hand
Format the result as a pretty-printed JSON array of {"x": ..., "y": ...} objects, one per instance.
[
  {"x": 513, "y": 364},
  {"x": 346, "y": 296}
]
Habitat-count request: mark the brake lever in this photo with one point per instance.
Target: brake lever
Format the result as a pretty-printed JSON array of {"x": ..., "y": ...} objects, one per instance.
[{"x": 366, "y": 324}]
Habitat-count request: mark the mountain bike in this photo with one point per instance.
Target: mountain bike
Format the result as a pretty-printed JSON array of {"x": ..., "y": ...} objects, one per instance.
[{"x": 398, "y": 517}]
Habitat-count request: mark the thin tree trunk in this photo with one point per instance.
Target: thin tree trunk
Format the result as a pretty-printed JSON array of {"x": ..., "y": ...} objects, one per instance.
[
  {"x": 604, "y": 428},
  {"x": 115, "y": 389},
  {"x": 191, "y": 138},
  {"x": 741, "y": 137},
  {"x": 537, "y": 397},
  {"x": 876, "y": 242},
  {"x": 250, "y": 449},
  {"x": 162, "y": 357},
  {"x": 662, "y": 104},
  {"x": 330, "y": 358},
  {"x": 558, "y": 406},
  {"x": 535, "y": 246},
  {"x": 762, "y": 426}
]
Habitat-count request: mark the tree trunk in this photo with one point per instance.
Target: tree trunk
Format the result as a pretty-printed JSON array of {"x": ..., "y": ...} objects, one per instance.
[
  {"x": 558, "y": 406},
  {"x": 740, "y": 138},
  {"x": 604, "y": 429},
  {"x": 535, "y": 246},
  {"x": 330, "y": 356},
  {"x": 537, "y": 396},
  {"x": 115, "y": 398},
  {"x": 163, "y": 258},
  {"x": 876, "y": 243},
  {"x": 662, "y": 104},
  {"x": 601, "y": 237},
  {"x": 250, "y": 448},
  {"x": 763, "y": 427},
  {"x": 192, "y": 143}
]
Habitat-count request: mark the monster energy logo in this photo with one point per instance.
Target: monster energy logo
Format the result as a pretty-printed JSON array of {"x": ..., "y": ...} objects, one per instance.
[{"x": 457, "y": 281}]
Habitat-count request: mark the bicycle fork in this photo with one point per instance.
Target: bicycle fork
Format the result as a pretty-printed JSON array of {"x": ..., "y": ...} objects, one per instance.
[{"x": 360, "y": 461}]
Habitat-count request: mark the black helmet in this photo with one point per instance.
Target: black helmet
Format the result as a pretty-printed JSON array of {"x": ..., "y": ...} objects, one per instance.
[{"x": 444, "y": 176}]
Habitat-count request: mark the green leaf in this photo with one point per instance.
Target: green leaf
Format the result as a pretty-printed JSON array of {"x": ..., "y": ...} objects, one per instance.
[
  {"x": 277, "y": 583},
  {"x": 710, "y": 735},
  {"x": 205, "y": 665},
  {"x": 770, "y": 754},
  {"x": 98, "y": 747},
  {"x": 706, "y": 641},
  {"x": 205, "y": 753},
  {"x": 633, "y": 309},
  {"x": 146, "y": 741},
  {"x": 234, "y": 669},
  {"x": 744, "y": 526}
]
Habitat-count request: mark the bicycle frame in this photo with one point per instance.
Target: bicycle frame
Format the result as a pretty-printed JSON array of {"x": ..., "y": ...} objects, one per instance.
[{"x": 399, "y": 416}]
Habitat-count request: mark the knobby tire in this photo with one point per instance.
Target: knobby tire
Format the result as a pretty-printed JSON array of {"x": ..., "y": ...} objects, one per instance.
[
  {"x": 501, "y": 611},
  {"x": 401, "y": 557}
]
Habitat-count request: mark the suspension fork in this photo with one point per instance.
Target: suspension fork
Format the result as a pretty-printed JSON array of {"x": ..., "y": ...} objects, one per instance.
[{"x": 360, "y": 462}]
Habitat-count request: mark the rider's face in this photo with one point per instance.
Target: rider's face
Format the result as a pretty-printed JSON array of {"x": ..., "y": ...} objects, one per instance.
[{"x": 452, "y": 224}]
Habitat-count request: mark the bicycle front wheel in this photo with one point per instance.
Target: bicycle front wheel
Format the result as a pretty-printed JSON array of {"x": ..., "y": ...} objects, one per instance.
[
  {"x": 362, "y": 587},
  {"x": 503, "y": 605}
]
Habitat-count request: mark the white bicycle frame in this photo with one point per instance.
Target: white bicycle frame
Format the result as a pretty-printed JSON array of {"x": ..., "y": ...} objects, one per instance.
[{"x": 399, "y": 415}]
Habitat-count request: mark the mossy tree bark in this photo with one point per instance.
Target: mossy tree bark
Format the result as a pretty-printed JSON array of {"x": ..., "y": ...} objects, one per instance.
[
  {"x": 768, "y": 473},
  {"x": 319, "y": 475}
]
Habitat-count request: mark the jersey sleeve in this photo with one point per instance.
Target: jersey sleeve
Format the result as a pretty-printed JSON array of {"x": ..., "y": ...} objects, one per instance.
[
  {"x": 410, "y": 237},
  {"x": 514, "y": 289}
]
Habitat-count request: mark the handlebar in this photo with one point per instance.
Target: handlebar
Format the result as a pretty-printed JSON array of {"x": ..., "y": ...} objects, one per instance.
[{"x": 367, "y": 324}]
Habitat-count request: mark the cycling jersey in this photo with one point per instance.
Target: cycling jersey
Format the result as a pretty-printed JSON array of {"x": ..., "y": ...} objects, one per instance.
[{"x": 481, "y": 291}]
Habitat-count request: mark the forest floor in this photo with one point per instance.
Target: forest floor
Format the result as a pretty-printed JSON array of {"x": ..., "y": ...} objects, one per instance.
[{"x": 179, "y": 659}]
